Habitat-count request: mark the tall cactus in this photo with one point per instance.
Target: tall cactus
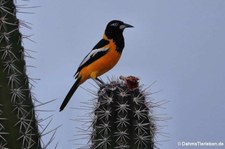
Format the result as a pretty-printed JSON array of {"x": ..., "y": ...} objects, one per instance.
[
  {"x": 18, "y": 126},
  {"x": 123, "y": 117}
]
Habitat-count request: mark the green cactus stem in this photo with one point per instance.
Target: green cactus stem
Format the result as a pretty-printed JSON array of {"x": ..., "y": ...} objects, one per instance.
[
  {"x": 123, "y": 118},
  {"x": 18, "y": 126}
]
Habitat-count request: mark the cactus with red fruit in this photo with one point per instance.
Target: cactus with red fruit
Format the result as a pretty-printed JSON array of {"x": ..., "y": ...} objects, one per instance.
[{"x": 123, "y": 117}]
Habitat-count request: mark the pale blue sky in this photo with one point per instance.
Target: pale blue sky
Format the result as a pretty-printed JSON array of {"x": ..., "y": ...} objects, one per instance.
[{"x": 177, "y": 43}]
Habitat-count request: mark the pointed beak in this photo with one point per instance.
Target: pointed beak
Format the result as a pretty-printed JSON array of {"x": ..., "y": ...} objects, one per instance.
[
  {"x": 127, "y": 25},
  {"x": 122, "y": 27}
]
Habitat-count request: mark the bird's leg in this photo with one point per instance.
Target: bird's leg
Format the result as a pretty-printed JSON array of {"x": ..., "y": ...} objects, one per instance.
[{"x": 98, "y": 81}]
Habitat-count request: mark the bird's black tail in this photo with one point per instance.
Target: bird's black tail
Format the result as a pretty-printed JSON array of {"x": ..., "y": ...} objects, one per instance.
[{"x": 70, "y": 94}]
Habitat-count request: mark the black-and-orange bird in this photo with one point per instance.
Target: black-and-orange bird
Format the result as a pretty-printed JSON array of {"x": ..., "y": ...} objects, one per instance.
[{"x": 103, "y": 57}]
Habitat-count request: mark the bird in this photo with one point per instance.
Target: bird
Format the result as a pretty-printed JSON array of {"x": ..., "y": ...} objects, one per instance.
[{"x": 102, "y": 58}]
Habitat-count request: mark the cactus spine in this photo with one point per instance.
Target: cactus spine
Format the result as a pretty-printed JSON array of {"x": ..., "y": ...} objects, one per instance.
[
  {"x": 122, "y": 118},
  {"x": 18, "y": 126}
]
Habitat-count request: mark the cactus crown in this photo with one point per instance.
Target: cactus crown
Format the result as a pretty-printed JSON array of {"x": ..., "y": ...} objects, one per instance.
[{"x": 122, "y": 118}]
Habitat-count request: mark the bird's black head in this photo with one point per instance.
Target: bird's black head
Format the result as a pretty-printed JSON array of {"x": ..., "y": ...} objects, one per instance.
[{"x": 115, "y": 28}]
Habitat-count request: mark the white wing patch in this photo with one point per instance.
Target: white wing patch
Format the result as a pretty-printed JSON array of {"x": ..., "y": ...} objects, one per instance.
[{"x": 92, "y": 54}]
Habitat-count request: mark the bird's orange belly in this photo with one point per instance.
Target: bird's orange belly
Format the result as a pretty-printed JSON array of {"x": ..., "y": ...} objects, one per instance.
[
  {"x": 103, "y": 64},
  {"x": 100, "y": 66}
]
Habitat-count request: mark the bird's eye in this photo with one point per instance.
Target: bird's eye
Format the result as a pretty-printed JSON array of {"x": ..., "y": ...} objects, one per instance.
[{"x": 114, "y": 24}]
